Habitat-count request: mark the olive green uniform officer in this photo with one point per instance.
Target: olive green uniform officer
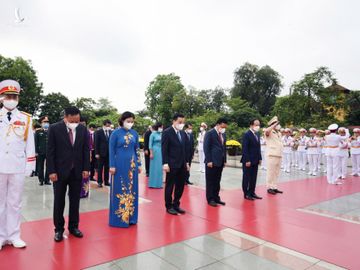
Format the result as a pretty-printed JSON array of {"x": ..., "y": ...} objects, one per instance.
[{"x": 41, "y": 138}]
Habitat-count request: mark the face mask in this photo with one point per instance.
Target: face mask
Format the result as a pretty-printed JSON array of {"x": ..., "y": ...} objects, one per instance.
[
  {"x": 128, "y": 125},
  {"x": 256, "y": 128},
  {"x": 10, "y": 104},
  {"x": 45, "y": 125},
  {"x": 278, "y": 127},
  {"x": 179, "y": 126},
  {"x": 72, "y": 126},
  {"x": 160, "y": 130},
  {"x": 222, "y": 130},
  {"x": 202, "y": 129},
  {"x": 189, "y": 131}
]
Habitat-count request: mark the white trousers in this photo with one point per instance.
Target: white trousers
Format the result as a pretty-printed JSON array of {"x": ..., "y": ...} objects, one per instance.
[
  {"x": 355, "y": 161},
  {"x": 319, "y": 161},
  {"x": 11, "y": 190},
  {"x": 263, "y": 162},
  {"x": 342, "y": 166},
  {"x": 332, "y": 163},
  {"x": 313, "y": 163},
  {"x": 302, "y": 160},
  {"x": 287, "y": 161},
  {"x": 294, "y": 158},
  {"x": 202, "y": 160}
]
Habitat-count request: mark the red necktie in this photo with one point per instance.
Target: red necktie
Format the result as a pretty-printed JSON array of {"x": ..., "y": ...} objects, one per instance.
[
  {"x": 220, "y": 138},
  {"x": 71, "y": 137}
]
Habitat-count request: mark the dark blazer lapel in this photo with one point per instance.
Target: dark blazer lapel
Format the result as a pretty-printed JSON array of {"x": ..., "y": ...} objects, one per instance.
[
  {"x": 64, "y": 130},
  {"x": 175, "y": 135},
  {"x": 77, "y": 136}
]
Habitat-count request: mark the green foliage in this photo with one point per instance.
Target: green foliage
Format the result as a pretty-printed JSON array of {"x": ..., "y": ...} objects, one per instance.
[
  {"x": 53, "y": 106},
  {"x": 353, "y": 105},
  {"x": 240, "y": 112},
  {"x": 22, "y": 71},
  {"x": 258, "y": 86}
]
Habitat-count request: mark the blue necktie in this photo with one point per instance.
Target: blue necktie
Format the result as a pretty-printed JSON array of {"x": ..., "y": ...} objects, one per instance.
[{"x": 179, "y": 136}]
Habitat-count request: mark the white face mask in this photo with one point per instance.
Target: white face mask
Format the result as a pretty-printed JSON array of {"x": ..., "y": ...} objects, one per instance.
[
  {"x": 72, "y": 126},
  {"x": 107, "y": 128},
  {"x": 10, "y": 104},
  {"x": 91, "y": 132},
  {"x": 222, "y": 130},
  {"x": 202, "y": 129},
  {"x": 160, "y": 130},
  {"x": 189, "y": 131},
  {"x": 278, "y": 127},
  {"x": 128, "y": 125},
  {"x": 256, "y": 128},
  {"x": 179, "y": 126}
]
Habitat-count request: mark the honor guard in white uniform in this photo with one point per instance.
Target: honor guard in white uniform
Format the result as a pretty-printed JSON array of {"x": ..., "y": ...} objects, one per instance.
[
  {"x": 324, "y": 150},
  {"x": 17, "y": 159},
  {"x": 320, "y": 141},
  {"x": 355, "y": 152},
  {"x": 312, "y": 145},
  {"x": 201, "y": 138},
  {"x": 294, "y": 154},
  {"x": 332, "y": 141},
  {"x": 343, "y": 152},
  {"x": 288, "y": 143},
  {"x": 302, "y": 149}
]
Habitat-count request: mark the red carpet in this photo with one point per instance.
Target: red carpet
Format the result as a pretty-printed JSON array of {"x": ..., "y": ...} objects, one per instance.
[{"x": 274, "y": 219}]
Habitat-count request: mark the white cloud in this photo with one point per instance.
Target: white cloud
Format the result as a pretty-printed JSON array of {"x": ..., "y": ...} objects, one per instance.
[{"x": 115, "y": 48}]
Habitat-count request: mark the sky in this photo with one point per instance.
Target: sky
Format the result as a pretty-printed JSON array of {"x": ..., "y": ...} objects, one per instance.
[{"x": 115, "y": 48}]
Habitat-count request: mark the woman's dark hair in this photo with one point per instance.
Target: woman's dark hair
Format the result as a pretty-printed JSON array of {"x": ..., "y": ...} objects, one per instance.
[
  {"x": 124, "y": 116},
  {"x": 157, "y": 125}
]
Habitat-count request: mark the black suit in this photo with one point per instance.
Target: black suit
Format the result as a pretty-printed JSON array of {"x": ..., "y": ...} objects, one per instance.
[
  {"x": 215, "y": 152},
  {"x": 102, "y": 149},
  {"x": 68, "y": 162},
  {"x": 191, "y": 151},
  {"x": 251, "y": 152},
  {"x": 146, "y": 148},
  {"x": 175, "y": 154}
]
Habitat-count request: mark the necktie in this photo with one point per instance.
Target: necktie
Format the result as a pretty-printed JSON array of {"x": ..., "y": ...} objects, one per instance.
[
  {"x": 179, "y": 136},
  {"x": 256, "y": 137},
  {"x": 107, "y": 134},
  {"x": 71, "y": 137},
  {"x": 9, "y": 116},
  {"x": 220, "y": 138}
]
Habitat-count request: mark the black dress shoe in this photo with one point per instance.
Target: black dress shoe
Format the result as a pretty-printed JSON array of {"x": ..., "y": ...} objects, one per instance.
[
  {"x": 278, "y": 191},
  {"x": 172, "y": 211},
  {"x": 48, "y": 183},
  {"x": 100, "y": 185},
  {"x": 256, "y": 197},
  {"x": 220, "y": 202},
  {"x": 41, "y": 183},
  {"x": 76, "y": 232},
  {"x": 179, "y": 210},
  {"x": 271, "y": 191},
  {"x": 212, "y": 203},
  {"x": 188, "y": 183},
  {"x": 249, "y": 198},
  {"x": 107, "y": 184},
  {"x": 58, "y": 236}
]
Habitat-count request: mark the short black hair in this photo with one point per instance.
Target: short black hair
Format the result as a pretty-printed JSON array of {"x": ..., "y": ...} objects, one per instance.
[
  {"x": 71, "y": 111},
  {"x": 106, "y": 121},
  {"x": 92, "y": 126},
  {"x": 187, "y": 125},
  {"x": 252, "y": 121},
  {"x": 124, "y": 116},
  {"x": 42, "y": 118},
  {"x": 83, "y": 119},
  {"x": 222, "y": 120},
  {"x": 157, "y": 125},
  {"x": 178, "y": 115}
]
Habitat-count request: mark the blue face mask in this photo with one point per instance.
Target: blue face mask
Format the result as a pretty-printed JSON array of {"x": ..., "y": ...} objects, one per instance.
[{"x": 45, "y": 125}]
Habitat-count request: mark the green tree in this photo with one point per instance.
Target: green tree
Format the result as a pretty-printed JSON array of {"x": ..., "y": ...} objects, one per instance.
[
  {"x": 86, "y": 106},
  {"x": 22, "y": 71},
  {"x": 353, "y": 105},
  {"x": 160, "y": 96},
  {"x": 258, "y": 86},
  {"x": 53, "y": 106},
  {"x": 240, "y": 112}
]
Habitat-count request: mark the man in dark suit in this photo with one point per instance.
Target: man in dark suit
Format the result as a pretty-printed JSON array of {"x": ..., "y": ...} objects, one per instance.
[
  {"x": 93, "y": 163},
  {"x": 251, "y": 159},
  {"x": 68, "y": 162},
  {"x": 191, "y": 149},
  {"x": 102, "y": 152},
  {"x": 215, "y": 161},
  {"x": 175, "y": 157},
  {"x": 147, "y": 150}
]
